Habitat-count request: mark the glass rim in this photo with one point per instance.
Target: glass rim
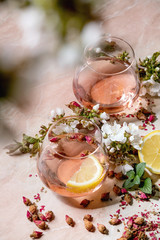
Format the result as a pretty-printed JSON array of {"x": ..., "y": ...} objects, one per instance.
[
  {"x": 109, "y": 38},
  {"x": 78, "y": 117}
]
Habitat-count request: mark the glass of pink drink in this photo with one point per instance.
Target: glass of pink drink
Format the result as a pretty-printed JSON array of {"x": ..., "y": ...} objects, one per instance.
[
  {"x": 108, "y": 77},
  {"x": 71, "y": 143}
]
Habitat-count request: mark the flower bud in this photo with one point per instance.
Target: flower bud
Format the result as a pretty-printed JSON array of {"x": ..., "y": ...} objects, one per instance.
[
  {"x": 41, "y": 224},
  {"x": 26, "y": 201},
  {"x": 69, "y": 221},
  {"x": 49, "y": 216},
  {"x": 36, "y": 234},
  {"x": 102, "y": 228}
]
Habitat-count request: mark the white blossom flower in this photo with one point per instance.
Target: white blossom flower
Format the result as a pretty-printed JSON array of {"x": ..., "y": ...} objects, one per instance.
[
  {"x": 74, "y": 123},
  {"x": 112, "y": 150},
  {"x": 60, "y": 111},
  {"x": 104, "y": 116},
  {"x": 53, "y": 114},
  {"x": 132, "y": 129},
  {"x": 96, "y": 107},
  {"x": 152, "y": 87},
  {"x": 136, "y": 140}
]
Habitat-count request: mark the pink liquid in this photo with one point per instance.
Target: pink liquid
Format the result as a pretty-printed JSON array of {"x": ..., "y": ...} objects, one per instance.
[
  {"x": 56, "y": 170},
  {"x": 114, "y": 92}
]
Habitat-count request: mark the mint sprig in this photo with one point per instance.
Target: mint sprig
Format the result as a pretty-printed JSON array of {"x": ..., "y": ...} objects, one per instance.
[{"x": 136, "y": 180}]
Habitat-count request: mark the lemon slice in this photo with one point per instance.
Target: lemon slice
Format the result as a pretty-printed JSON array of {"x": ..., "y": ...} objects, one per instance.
[
  {"x": 87, "y": 177},
  {"x": 150, "y": 151}
]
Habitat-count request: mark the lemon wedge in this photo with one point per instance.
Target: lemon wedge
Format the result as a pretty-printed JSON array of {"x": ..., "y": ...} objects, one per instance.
[
  {"x": 150, "y": 151},
  {"x": 89, "y": 175}
]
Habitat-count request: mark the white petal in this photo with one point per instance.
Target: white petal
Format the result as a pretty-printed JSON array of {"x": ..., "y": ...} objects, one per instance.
[{"x": 96, "y": 107}]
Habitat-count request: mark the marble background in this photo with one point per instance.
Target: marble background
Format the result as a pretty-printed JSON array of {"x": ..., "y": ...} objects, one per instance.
[{"x": 137, "y": 21}]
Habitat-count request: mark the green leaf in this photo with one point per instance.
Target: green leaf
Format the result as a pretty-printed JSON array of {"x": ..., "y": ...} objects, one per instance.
[
  {"x": 140, "y": 169},
  {"x": 128, "y": 184},
  {"x": 29, "y": 139},
  {"x": 147, "y": 186},
  {"x": 136, "y": 180},
  {"x": 130, "y": 174}
]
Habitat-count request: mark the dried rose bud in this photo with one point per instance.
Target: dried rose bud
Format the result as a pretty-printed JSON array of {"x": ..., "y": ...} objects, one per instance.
[
  {"x": 115, "y": 221},
  {"x": 54, "y": 139},
  {"x": 139, "y": 220},
  {"x": 102, "y": 229},
  {"x": 142, "y": 195},
  {"x": 69, "y": 221},
  {"x": 127, "y": 234},
  {"x": 120, "y": 176},
  {"x": 85, "y": 202},
  {"x": 128, "y": 198},
  {"x": 151, "y": 118},
  {"x": 41, "y": 224},
  {"x": 110, "y": 174},
  {"x": 33, "y": 208},
  {"x": 36, "y": 235},
  {"x": 141, "y": 116},
  {"x": 42, "y": 217},
  {"x": 130, "y": 223},
  {"x": 49, "y": 215},
  {"x": 142, "y": 235},
  {"x": 89, "y": 225},
  {"x": 105, "y": 196},
  {"x": 35, "y": 217},
  {"x": 88, "y": 217},
  {"x": 117, "y": 190},
  {"x": 73, "y": 103},
  {"x": 29, "y": 216},
  {"x": 26, "y": 201},
  {"x": 123, "y": 191}
]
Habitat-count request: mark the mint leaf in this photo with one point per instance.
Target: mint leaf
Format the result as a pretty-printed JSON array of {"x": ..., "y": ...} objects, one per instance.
[
  {"x": 140, "y": 169},
  {"x": 147, "y": 186},
  {"x": 136, "y": 180},
  {"x": 130, "y": 174},
  {"x": 128, "y": 184}
]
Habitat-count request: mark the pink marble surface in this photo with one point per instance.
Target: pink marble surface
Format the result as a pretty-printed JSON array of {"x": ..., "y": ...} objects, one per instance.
[{"x": 137, "y": 22}]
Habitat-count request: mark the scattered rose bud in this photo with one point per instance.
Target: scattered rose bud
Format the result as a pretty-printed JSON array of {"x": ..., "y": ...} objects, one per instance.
[
  {"x": 120, "y": 176},
  {"x": 29, "y": 216},
  {"x": 105, "y": 196},
  {"x": 115, "y": 221},
  {"x": 130, "y": 223},
  {"x": 35, "y": 217},
  {"x": 127, "y": 234},
  {"x": 69, "y": 221},
  {"x": 75, "y": 104},
  {"x": 49, "y": 215},
  {"x": 42, "y": 217},
  {"x": 128, "y": 198},
  {"x": 54, "y": 139},
  {"x": 123, "y": 191},
  {"x": 88, "y": 217},
  {"x": 26, "y": 201},
  {"x": 85, "y": 202},
  {"x": 139, "y": 220},
  {"x": 110, "y": 174},
  {"x": 33, "y": 208},
  {"x": 41, "y": 224},
  {"x": 141, "y": 116},
  {"x": 142, "y": 195},
  {"x": 102, "y": 229},
  {"x": 36, "y": 235},
  {"x": 117, "y": 190},
  {"x": 89, "y": 225},
  {"x": 151, "y": 118}
]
